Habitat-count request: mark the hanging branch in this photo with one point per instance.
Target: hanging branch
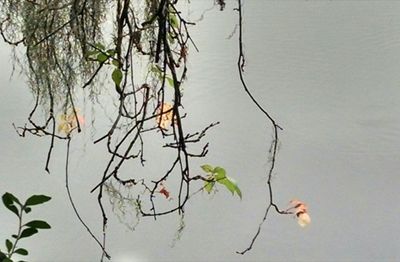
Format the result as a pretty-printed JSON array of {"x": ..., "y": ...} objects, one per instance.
[
  {"x": 168, "y": 58},
  {"x": 73, "y": 202},
  {"x": 274, "y": 145}
]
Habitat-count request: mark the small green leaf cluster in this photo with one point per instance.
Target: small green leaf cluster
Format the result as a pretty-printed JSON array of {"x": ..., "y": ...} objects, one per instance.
[
  {"x": 158, "y": 73},
  {"x": 100, "y": 54},
  {"x": 107, "y": 56},
  {"x": 173, "y": 21},
  {"x": 218, "y": 175},
  {"x": 13, "y": 204}
]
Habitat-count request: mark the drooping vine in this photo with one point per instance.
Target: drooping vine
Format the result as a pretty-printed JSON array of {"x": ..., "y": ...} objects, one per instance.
[{"x": 296, "y": 207}]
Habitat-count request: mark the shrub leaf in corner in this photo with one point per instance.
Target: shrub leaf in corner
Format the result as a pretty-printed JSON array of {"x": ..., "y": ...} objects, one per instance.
[
  {"x": 27, "y": 232},
  {"x": 38, "y": 224},
  {"x": 37, "y": 200},
  {"x": 8, "y": 201},
  {"x": 21, "y": 251}
]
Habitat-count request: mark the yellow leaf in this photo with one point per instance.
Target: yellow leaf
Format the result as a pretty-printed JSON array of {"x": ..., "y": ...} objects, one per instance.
[
  {"x": 164, "y": 116},
  {"x": 68, "y": 122}
]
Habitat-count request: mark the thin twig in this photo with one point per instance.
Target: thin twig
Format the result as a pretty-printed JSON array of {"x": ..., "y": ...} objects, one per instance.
[
  {"x": 240, "y": 65},
  {"x": 73, "y": 203}
]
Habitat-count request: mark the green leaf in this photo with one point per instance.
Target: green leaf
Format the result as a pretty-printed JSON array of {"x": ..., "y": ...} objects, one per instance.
[
  {"x": 170, "y": 38},
  {"x": 13, "y": 208},
  {"x": 157, "y": 72},
  {"x": 238, "y": 192},
  {"x": 13, "y": 198},
  {"x": 115, "y": 62},
  {"x": 207, "y": 168},
  {"x": 209, "y": 186},
  {"x": 170, "y": 81},
  {"x": 173, "y": 20},
  {"x": 117, "y": 76},
  {"x": 92, "y": 52},
  {"x": 27, "y": 232},
  {"x": 227, "y": 183},
  {"x": 102, "y": 57},
  {"x": 8, "y": 201},
  {"x": 14, "y": 236},
  {"x": 6, "y": 260},
  {"x": 21, "y": 251},
  {"x": 220, "y": 173},
  {"x": 155, "y": 69},
  {"x": 27, "y": 209},
  {"x": 100, "y": 46},
  {"x": 2, "y": 256},
  {"x": 8, "y": 245},
  {"x": 111, "y": 52},
  {"x": 38, "y": 224},
  {"x": 231, "y": 185},
  {"x": 36, "y": 200}
]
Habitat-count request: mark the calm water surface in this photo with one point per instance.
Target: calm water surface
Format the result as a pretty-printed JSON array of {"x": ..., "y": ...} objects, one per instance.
[{"x": 328, "y": 71}]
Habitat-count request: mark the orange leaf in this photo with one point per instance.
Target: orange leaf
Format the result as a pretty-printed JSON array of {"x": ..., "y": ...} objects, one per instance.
[{"x": 164, "y": 116}]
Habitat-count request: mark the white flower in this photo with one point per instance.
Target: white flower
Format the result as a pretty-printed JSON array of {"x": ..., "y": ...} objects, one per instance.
[
  {"x": 303, "y": 219},
  {"x": 301, "y": 211}
]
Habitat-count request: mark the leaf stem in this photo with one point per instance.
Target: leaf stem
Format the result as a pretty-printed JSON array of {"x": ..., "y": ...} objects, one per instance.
[{"x": 19, "y": 231}]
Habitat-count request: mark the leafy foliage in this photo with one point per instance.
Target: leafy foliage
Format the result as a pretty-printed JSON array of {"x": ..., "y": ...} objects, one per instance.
[
  {"x": 218, "y": 175},
  {"x": 24, "y": 230},
  {"x": 36, "y": 200}
]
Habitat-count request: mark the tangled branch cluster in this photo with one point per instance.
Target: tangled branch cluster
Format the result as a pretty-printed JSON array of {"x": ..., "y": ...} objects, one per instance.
[{"x": 66, "y": 51}]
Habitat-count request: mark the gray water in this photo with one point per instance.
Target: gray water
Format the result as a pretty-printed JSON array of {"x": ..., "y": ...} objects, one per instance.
[{"x": 328, "y": 72}]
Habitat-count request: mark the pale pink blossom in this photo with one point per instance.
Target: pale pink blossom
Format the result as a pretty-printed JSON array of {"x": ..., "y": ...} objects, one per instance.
[
  {"x": 301, "y": 212},
  {"x": 303, "y": 219}
]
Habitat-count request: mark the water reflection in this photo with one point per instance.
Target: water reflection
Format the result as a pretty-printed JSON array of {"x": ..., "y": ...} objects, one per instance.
[{"x": 329, "y": 73}]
